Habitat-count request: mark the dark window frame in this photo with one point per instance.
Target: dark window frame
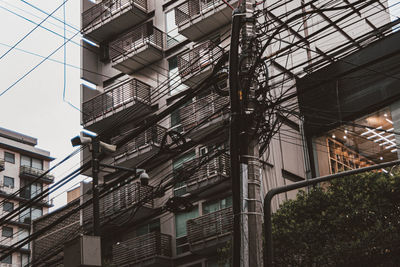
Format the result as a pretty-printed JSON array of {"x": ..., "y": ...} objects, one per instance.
[
  {"x": 8, "y": 209},
  {"x": 11, "y": 155},
  {"x": 8, "y": 177},
  {"x": 5, "y": 234}
]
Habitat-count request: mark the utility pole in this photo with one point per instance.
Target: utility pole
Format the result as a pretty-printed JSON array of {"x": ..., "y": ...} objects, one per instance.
[
  {"x": 247, "y": 208},
  {"x": 95, "y": 186}
]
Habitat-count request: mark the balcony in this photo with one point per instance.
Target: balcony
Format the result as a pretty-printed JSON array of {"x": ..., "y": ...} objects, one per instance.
[
  {"x": 130, "y": 97},
  {"x": 207, "y": 114},
  {"x": 145, "y": 145},
  {"x": 26, "y": 195},
  {"x": 209, "y": 232},
  {"x": 137, "y": 48},
  {"x": 33, "y": 173},
  {"x": 198, "y": 18},
  {"x": 119, "y": 204},
  {"x": 2, "y": 165},
  {"x": 153, "y": 249},
  {"x": 111, "y": 17},
  {"x": 211, "y": 178},
  {"x": 196, "y": 64}
]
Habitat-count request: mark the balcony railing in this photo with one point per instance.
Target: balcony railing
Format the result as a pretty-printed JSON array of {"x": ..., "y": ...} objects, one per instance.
[
  {"x": 215, "y": 167},
  {"x": 152, "y": 136},
  {"x": 106, "y": 9},
  {"x": 196, "y": 18},
  {"x": 202, "y": 56},
  {"x": 141, "y": 248},
  {"x": 138, "y": 37},
  {"x": 2, "y": 166},
  {"x": 126, "y": 93},
  {"x": 209, "y": 226},
  {"x": 31, "y": 171},
  {"x": 203, "y": 110},
  {"x": 121, "y": 199}
]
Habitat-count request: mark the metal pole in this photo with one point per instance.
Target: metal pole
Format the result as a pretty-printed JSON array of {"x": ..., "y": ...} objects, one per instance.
[
  {"x": 268, "y": 252},
  {"x": 95, "y": 186},
  {"x": 234, "y": 132}
]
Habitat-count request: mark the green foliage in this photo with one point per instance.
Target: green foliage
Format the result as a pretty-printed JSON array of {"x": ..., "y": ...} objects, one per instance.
[{"x": 355, "y": 221}]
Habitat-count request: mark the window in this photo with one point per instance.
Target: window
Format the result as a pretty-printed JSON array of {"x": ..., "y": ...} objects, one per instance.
[
  {"x": 8, "y": 206},
  {"x": 366, "y": 141},
  {"x": 9, "y": 157},
  {"x": 217, "y": 205},
  {"x": 173, "y": 36},
  {"x": 180, "y": 187},
  {"x": 175, "y": 84},
  {"x": 30, "y": 191},
  {"x": 8, "y": 182},
  {"x": 180, "y": 228},
  {"x": 8, "y": 259},
  {"x": 153, "y": 226},
  {"x": 31, "y": 162},
  {"x": 28, "y": 215},
  {"x": 7, "y": 232}
]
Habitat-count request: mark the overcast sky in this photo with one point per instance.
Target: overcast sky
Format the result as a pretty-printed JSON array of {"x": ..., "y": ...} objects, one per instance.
[{"x": 35, "y": 106}]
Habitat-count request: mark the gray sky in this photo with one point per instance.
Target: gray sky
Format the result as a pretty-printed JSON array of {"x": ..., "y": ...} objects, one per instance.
[{"x": 35, "y": 106}]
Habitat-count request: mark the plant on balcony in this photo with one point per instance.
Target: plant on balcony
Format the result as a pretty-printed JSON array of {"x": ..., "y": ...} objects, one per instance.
[{"x": 352, "y": 222}]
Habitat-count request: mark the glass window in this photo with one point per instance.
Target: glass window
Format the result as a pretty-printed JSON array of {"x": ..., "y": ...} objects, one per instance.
[
  {"x": 148, "y": 228},
  {"x": 25, "y": 161},
  {"x": 31, "y": 162},
  {"x": 9, "y": 157},
  {"x": 36, "y": 189},
  {"x": 180, "y": 221},
  {"x": 175, "y": 83},
  {"x": 25, "y": 260},
  {"x": 37, "y": 163},
  {"x": 25, "y": 216},
  {"x": 8, "y": 259},
  {"x": 173, "y": 36},
  {"x": 8, "y": 182},
  {"x": 360, "y": 143},
  {"x": 180, "y": 187},
  {"x": 217, "y": 205},
  {"x": 8, "y": 206},
  {"x": 36, "y": 213},
  {"x": 7, "y": 231}
]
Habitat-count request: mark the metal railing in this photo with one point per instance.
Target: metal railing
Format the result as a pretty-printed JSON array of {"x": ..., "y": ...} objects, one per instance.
[
  {"x": 192, "y": 8},
  {"x": 216, "y": 166},
  {"x": 141, "y": 248},
  {"x": 210, "y": 225},
  {"x": 27, "y": 170},
  {"x": 202, "y": 110},
  {"x": 106, "y": 9},
  {"x": 136, "y": 38},
  {"x": 127, "y": 92},
  {"x": 120, "y": 199},
  {"x": 204, "y": 55},
  {"x": 153, "y": 135}
]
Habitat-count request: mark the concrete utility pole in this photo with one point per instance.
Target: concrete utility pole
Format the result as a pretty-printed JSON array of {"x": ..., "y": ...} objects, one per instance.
[
  {"x": 247, "y": 208},
  {"x": 249, "y": 158}
]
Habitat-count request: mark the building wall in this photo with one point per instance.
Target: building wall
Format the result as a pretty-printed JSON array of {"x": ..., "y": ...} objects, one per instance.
[
  {"x": 286, "y": 160},
  {"x": 18, "y": 144}
]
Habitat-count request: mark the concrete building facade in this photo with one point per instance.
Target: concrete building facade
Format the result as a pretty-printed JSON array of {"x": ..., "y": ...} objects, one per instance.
[
  {"x": 21, "y": 164},
  {"x": 141, "y": 57}
]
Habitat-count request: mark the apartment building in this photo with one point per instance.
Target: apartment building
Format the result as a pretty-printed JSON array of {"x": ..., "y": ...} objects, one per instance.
[
  {"x": 21, "y": 163},
  {"x": 141, "y": 56}
]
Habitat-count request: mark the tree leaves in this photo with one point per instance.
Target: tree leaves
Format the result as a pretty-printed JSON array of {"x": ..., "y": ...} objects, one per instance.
[{"x": 354, "y": 221}]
